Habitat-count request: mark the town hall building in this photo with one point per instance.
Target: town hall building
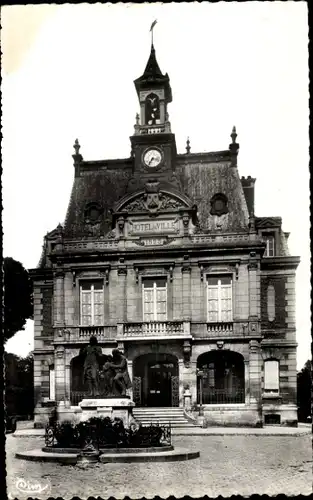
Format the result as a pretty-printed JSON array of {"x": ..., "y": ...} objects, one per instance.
[{"x": 162, "y": 256}]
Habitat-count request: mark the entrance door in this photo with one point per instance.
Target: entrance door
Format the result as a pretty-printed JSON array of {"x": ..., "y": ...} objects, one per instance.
[
  {"x": 159, "y": 384},
  {"x": 157, "y": 373}
]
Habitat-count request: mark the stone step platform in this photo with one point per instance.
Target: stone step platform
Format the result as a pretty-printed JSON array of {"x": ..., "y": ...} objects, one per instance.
[
  {"x": 163, "y": 416},
  {"x": 178, "y": 454}
]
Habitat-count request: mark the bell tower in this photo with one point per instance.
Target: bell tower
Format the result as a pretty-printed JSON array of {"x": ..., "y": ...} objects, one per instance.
[
  {"x": 154, "y": 94},
  {"x": 153, "y": 144}
]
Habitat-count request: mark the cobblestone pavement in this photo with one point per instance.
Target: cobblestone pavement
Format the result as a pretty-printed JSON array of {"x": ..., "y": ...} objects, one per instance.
[{"x": 227, "y": 465}]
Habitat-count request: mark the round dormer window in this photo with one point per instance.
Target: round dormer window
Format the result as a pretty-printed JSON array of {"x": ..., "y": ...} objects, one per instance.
[
  {"x": 219, "y": 204},
  {"x": 93, "y": 212}
]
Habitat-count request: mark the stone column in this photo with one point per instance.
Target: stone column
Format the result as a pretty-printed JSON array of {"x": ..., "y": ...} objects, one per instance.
[
  {"x": 254, "y": 288},
  {"x": 67, "y": 381},
  {"x": 192, "y": 380},
  {"x": 130, "y": 371},
  {"x": 59, "y": 298},
  {"x": 255, "y": 372},
  {"x": 142, "y": 113},
  {"x": 186, "y": 275},
  {"x": 181, "y": 373},
  {"x": 162, "y": 112},
  {"x": 247, "y": 381},
  {"x": 69, "y": 308},
  {"x": 59, "y": 366},
  {"x": 122, "y": 293}
]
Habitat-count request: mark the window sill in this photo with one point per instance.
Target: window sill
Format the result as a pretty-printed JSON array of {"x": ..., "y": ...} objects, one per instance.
[{"x": 271, "y": 395}]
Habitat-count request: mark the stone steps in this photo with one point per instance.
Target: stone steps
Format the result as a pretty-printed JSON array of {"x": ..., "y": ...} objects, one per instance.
[{"x": 162, "y": 416}]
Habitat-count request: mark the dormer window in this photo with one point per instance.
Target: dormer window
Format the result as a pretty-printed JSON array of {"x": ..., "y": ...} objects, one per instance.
[
  {"x": 219, "y": 204},
  {"x": 93, "y": 212},
  {"x": 270, "y": 245}
]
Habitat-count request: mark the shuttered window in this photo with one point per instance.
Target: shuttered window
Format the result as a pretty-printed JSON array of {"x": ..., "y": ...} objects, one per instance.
[
  {"x": 91, "y": 303},
  {"x": 219, "y": 292},
  {"x": 154, "y": 299}
]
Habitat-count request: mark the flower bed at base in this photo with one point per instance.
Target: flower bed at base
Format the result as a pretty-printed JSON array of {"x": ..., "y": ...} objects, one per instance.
[{"x": 105, "y": 433}]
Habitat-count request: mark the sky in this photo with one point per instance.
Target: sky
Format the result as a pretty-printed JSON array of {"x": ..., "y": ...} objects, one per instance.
[{"x": 68, "y": 72}]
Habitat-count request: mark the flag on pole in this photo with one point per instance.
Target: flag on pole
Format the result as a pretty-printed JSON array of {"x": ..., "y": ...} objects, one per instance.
[{"x": 153, "y": 24}]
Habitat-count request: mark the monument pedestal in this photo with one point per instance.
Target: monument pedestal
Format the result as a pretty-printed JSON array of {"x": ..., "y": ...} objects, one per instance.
[{"x": 121, "y": 407}]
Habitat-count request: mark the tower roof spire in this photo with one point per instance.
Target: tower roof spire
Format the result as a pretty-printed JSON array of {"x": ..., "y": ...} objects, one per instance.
[{"x": 152, "y": 76}]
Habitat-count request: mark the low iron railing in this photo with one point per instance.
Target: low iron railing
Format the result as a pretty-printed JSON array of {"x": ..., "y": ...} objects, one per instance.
[
  {"x": 78, "y": 396},
  {"x": 222, "y": 396},
  {"x": 106, "y": 433}
]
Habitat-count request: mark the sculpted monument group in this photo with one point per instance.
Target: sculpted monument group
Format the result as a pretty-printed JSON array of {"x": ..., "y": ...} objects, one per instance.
[{"x": 106, "y": 375}]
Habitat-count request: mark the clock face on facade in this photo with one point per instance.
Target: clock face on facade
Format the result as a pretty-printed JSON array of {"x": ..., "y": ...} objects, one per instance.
[{"x": 152, "y": 157}]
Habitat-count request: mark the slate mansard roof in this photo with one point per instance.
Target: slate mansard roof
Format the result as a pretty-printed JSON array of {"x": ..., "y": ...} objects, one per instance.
[{"x": 199, "y": 177}]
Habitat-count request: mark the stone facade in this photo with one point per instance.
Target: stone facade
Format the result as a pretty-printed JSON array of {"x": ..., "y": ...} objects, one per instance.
[{"x": 161, "y": 255}]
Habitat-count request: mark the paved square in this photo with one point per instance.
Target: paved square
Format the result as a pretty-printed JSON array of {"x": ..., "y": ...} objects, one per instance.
[{"x": 227, "y": 465}]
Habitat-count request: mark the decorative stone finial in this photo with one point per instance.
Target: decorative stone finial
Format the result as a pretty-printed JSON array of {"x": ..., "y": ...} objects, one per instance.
[
  {"x": 234, "y": 147},
  {"x": 233, "y": 135},
  {"x": 76, "y": 147},
  {"x": 137, "y": 118},
  {"x": 188, "y": 146}
]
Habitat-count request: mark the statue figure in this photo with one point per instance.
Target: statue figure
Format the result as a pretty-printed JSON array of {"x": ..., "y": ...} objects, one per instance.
[
  {"x": 107, "y": 376},
  {"x": 93, "y": 358},
  {"x": 121, "y": 381},
  {"x": 115, "y": 374}
]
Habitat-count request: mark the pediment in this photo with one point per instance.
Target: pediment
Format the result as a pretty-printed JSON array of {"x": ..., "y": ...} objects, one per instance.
[
  {"x": 154, "y": 200},
  {"x": 269, "y": 222}
]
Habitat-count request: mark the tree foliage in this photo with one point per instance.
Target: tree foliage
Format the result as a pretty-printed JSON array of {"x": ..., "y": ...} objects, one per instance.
[
  {"x": 19, "y": 385},
  {"x": 304, "y": 392},
  {"x": 18, "y": 297}
]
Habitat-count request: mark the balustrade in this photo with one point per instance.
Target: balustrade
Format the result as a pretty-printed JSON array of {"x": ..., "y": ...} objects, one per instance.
[
  {"x": 83, "y": 333},
  {"x": 155, "y": 328},
  {"x": 72, "y": 246},
  {"x": 220, "y": 328},
  {"x": 218, "y": 238}
]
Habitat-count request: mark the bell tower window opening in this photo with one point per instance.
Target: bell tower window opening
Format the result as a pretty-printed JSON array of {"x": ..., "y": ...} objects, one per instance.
[
  {"x": 219, "y": 299},
  {"x": 154, "y": 299},
  {"x": 152, "y": 109},
  {"x": 91, "y": 303}
]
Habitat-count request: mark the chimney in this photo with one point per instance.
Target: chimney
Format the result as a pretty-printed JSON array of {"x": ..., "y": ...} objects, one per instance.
[{"x": 248, "y": 189}]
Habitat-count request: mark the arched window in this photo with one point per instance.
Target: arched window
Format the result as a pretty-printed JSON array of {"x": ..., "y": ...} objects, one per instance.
[
  {"x": 271, "y": 375},
  {"x": 223, "y": 377}
]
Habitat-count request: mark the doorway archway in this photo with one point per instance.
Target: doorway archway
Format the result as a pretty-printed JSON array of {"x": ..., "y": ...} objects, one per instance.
[
  {"x": 155, "y": 380},
  {"x": 223, "y": 379}
]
